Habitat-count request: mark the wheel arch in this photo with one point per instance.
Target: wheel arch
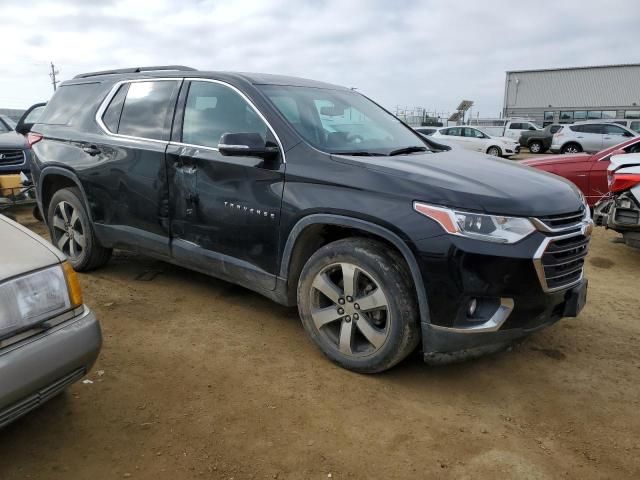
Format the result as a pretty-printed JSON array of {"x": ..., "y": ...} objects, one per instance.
[
  {"x": 493, "y": 146},
  {"x": 53, "y": 179},
  {"x": 315, "y": 230}
]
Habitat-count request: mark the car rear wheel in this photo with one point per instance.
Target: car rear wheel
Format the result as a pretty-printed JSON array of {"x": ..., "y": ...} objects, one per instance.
[
  {"x": 72, "y": 232},
  {"x": 535, "y": 147},
  {"x": 357, "y": 304},
  {"x": 494, "y": 151},
  {"x": 571, "y": 148}
]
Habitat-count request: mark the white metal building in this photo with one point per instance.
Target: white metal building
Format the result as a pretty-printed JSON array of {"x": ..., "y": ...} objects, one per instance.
[{"x": 566, "y": 95}]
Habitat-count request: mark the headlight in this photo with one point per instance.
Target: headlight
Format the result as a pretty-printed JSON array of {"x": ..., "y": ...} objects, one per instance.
[
  {"x": 491, "y": 228},
  {"x": 38, "y": 296}
]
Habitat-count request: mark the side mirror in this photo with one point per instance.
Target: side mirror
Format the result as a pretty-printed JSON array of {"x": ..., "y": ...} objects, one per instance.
[
  {"x": 28, "y": 118},
  {"x": 247, "y": 145}
]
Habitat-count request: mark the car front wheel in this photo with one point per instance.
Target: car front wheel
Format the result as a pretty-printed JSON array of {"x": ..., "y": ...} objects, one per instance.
[
  {"x": 71, "y": 231},
  {"x": 357, "y": 304},
  {"x": 535, "y": 147},
  {"x": 494, "y": 151}
]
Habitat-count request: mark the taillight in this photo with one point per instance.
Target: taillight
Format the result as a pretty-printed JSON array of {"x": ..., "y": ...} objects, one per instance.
[
  {"x": 33, "y": 138},
  {"x": 623, "y": 181}
]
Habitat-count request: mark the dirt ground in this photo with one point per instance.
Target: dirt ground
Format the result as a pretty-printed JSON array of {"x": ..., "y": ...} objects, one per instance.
[{"x": 201, "y": 379}]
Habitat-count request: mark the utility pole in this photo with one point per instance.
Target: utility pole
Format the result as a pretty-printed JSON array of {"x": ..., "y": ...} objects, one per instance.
[{"x": 53, "y": 74}]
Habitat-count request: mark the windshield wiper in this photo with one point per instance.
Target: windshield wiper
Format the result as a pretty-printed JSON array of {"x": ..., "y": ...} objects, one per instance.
[
  {"x": 402, "y": 151},
  {"x": 358, "y": 153}
]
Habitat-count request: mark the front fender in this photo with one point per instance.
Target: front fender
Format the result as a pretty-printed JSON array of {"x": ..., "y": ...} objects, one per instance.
[{"x": 369, "y": 227}]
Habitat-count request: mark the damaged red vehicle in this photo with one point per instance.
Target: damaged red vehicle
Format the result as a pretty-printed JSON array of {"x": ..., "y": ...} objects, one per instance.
[{"x": 587, "y": 171}]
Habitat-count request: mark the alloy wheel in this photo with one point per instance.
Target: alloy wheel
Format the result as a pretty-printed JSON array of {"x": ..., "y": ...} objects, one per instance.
[
  {"x": 494, "y": 151},
  {"x": 69, "y": 235},
  {"x": 349, "y": 309},
  {"x": 535, "y": 147}
]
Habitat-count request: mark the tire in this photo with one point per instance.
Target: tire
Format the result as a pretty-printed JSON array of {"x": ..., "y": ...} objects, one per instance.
[
  {"x": 536, "y": 147},
  {"x": 72, "y": 232},
  {"x": 363, "y": 338},
  {"x": 494, "y": 151},
  {"x": 571, "y": 148}
]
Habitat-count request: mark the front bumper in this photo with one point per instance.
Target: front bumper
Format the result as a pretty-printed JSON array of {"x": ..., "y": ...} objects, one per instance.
[
  {"x": 41, "y": 366},
  {"x": 518, "y": 289},
  {"x": 446, "y": 345}
]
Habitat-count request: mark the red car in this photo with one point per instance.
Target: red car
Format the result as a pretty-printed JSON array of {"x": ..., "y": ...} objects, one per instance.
[{"x": 587, "y": 171}]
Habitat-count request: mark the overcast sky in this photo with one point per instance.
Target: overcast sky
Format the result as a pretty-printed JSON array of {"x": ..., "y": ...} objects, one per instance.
[{"x": 411, "y": 53}]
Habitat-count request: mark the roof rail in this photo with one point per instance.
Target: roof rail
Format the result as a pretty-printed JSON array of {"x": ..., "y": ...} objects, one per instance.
[{"x": 137, "y": 70}]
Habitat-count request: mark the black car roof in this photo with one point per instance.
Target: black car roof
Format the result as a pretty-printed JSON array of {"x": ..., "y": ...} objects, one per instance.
[{"x": 232, "y": 77}]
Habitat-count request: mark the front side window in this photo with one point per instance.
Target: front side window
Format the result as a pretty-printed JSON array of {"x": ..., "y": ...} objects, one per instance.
[
  {"x": 214, "y": 109},
  {"x": 147, "y": 108},
  {"x": 455, "y": 132},
  {"x": 472, "y": 132},
  {"x": 340, "y": 121},
  {"x": 516, "y": 126},
  {"x": 615, "y": 130}
]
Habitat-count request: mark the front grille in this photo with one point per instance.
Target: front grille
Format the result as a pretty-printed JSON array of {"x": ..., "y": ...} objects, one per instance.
[
  {"x": 11, "y": 157},
  {"x": 21, "y": 407},
  {"x": 563, "y": 221},
  {"x": 562, "y": 262}
]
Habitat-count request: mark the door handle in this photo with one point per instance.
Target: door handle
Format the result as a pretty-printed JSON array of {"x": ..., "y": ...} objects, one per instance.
[{"x": 91, "y": 150}]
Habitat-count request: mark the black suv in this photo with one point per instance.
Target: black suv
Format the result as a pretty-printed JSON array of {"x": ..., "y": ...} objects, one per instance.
[{"x": 315, "y": 196}]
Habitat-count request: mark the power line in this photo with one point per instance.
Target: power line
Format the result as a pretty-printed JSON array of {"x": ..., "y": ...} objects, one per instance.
[{"x": 53, "y": 74}]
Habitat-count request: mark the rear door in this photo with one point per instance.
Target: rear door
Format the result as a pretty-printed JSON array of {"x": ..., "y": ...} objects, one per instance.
[
  {"x": 589, "y": 136},
  {"x": 129, "y": 180},
  {"x": 225, "y": 210},
  {"x": 455, "y": 134}
]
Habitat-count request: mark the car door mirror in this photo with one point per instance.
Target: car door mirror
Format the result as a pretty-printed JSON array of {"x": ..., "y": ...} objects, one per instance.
[
  {"x": 247, "y": 145},
  {"x": 28, "y": 118}
]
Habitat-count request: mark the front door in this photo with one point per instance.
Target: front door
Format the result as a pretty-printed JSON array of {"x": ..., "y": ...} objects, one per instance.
[{"x": 225, "y": 210}]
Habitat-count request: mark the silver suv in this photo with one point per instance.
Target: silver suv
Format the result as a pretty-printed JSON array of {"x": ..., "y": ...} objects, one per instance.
[{"x": 589, "y": 137}]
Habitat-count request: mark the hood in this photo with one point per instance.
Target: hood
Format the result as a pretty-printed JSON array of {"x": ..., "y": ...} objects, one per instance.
[
  {"x": 474, "y": 181},
  {"x": 12, "y": 140},
  {"x": 506, "y": 140},
  {"x": 555, "y": 159},
  {"x": 23, "y": 251}
]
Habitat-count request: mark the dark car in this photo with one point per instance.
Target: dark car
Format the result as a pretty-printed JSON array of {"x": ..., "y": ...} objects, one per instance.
[
  {"x": 539, "y": 141},
  {"x": 14, "y": 151},
  {"x": 381, "y": 239}
]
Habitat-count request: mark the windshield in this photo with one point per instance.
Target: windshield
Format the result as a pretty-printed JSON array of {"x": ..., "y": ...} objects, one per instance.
[
  {"x": 339, "y": 121},
  {"x": 6, "y": 124}
]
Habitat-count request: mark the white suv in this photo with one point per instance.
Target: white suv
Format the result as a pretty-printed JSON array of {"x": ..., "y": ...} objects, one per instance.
[{"x": 589, "y": 137}]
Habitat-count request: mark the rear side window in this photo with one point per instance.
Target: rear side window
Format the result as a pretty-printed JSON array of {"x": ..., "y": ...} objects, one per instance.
[
  {"x": 147, "y": 108},
  {"x": 555, "y": 128},
  {"x": 516, "y": 126},
  {"x": 111, "y": 117},
  {"x": 67, "y": 102},
  {"x": 594, "y": 128}
]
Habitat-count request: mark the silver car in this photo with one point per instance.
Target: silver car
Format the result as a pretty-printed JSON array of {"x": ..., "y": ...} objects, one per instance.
[
  {"x": 589, "y": 137},
  {"x": 48, "y": 338}
]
